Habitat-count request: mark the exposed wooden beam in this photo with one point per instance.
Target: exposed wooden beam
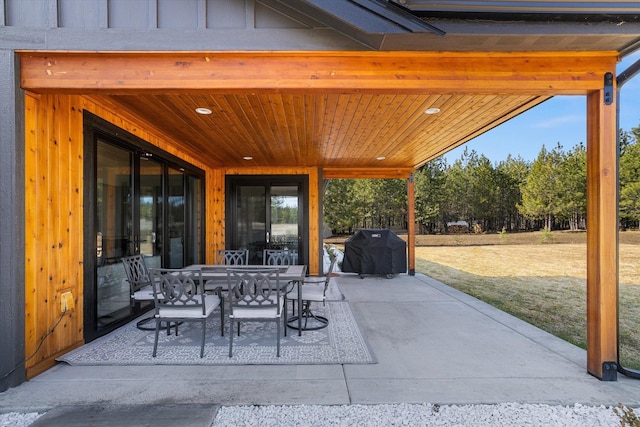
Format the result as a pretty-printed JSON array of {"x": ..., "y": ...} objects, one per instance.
[
  {"x": 540, "y": 73},
  {"x": 357, "y": 173}
]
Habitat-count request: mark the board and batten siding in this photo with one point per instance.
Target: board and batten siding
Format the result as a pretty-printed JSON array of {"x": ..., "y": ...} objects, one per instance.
[{"x": 140, "y": 14}]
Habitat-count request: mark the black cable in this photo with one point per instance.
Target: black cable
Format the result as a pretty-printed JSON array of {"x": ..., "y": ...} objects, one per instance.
[{"x": 44, "y": 337}]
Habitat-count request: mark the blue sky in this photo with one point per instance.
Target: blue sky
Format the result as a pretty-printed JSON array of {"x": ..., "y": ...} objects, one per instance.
[{"x": 561, "y": 119}]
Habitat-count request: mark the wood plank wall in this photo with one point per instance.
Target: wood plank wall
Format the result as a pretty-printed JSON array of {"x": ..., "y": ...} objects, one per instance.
[
  {"x": 53, "y": 224},
  {"x": 54, "y": 217}
]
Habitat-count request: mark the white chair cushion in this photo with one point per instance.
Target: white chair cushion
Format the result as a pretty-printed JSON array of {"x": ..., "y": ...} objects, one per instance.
[
  {"x": 309, "y": 293},
  {"x": 186, "y": 312},
  {"x": 270, "y": 312},
  {"x": 143, "y": 294},
  {"x": 313, "y": 293},
  {"x": 255, "y": 313}
]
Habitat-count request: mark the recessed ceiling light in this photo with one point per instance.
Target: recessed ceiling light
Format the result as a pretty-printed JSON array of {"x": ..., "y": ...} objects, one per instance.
[
  {"x": 202, "y": 110},
  {"x": 248, "y": 158},
  {"x": 432, "y": 110},
  {"x": 380, "y": 158}
]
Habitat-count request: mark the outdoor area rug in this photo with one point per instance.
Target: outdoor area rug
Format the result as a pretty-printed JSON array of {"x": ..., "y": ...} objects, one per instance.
[
  {"x": 341, "y": 342},
  {"x": 333, "y": 291}
]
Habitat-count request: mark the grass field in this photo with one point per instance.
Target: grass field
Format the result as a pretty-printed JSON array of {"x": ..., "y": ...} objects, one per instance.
[{"x": 541, "y": 283}]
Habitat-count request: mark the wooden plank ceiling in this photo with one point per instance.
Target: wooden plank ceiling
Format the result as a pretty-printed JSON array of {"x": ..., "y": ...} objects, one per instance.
[{"x": 326, "y": 130}]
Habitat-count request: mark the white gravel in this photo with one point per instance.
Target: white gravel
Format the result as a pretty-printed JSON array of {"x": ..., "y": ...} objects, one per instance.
[
  {"x": 18, "y": 419},
  {"x": 506, "y": 414}
]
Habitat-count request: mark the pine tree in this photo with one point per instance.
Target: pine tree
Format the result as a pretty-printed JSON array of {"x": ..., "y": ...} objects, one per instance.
[
  {"x": 630, "y": 177},
  {"x": 572, "y": 187},
  {"x": 540, "y": 193},
  {"x": 428, "y": 182},
  {"x": 339, "y": 206},
  {"x": 511, "y": 175}
]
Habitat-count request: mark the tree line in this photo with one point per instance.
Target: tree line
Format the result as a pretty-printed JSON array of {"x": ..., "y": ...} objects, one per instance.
[{"x": 510, "y": 195}]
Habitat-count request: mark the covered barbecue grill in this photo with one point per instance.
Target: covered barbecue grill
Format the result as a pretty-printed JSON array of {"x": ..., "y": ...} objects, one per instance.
[{"x": 375, "y": 251}]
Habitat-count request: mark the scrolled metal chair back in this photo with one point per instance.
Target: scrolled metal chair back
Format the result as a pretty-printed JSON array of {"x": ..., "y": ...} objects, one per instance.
[
  {"x": 254, "y": 289},
  {"x": 233, "y": 256},
  {"x": 136, "y": 271},
  {"x": 177, "y": 288},
  {"x": 276, "y": 257}
]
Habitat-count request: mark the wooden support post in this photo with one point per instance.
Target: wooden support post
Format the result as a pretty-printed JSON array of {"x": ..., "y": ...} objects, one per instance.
[
  {"x": 602, "y": 236},
  {"x": 411, "y": 224}
]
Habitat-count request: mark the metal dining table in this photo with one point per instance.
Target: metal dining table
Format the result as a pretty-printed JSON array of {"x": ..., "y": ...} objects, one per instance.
[{"x": 215, "y": 275}]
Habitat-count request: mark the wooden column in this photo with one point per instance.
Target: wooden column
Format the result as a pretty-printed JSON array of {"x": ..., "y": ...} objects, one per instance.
[
  {"x": 602, "y": 235},
  {"x": 411, "y": 224},
  {"x": 215, "y": 213}
]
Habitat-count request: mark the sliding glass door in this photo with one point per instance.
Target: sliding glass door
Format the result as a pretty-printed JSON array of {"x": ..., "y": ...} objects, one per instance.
[
  {"x": 285, "y": 231},
  {"x": 140, "y": 202},
  {"x": 114, "y": 221},
  {"x": 176, "y": 216},
  {"x": 151, "y": 211},
  {"x": 267, "y": 212}
]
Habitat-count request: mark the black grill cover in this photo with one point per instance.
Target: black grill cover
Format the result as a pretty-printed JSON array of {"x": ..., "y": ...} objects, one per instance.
[{"x": 375, "y": 251}]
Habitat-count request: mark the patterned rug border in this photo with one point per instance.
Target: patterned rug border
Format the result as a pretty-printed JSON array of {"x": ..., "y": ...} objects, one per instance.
[
  {"x": 333, "y": 291},
  {"x": 342, "y": 342}
]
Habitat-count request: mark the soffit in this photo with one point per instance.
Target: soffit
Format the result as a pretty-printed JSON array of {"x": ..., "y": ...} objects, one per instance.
[
  {"x": 529, "y": 10},
  {"x": 468, "y": 26}
]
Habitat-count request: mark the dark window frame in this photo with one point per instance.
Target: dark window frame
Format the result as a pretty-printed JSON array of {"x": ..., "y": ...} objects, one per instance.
[{"x": 95, "y": 128}]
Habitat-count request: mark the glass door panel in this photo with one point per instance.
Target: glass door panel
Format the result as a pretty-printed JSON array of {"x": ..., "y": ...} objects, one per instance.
[
  {"x": 150, "y": 243},
  {"x": 265, "y": 213},
  {"x": 250, "y": 230},
  {"x": 176, "y": 217},
  {"x": 283, "y": 221},
  {"x": 114, "y": 236},
  {"x": 194, "y": 215}
]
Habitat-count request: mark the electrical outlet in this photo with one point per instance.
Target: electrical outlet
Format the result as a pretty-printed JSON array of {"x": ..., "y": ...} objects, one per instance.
[{"x": 66, "y": 301}]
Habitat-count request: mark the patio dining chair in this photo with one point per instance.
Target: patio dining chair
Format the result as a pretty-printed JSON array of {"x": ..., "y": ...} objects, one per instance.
[
  {"x": 280, "y": 257},
  {"x": 177, "y": 300},
  {"x": 232, "y": 256},
  {"x": 277, "y": 257},
  {"x": 139, "y": 283},
  {"x": 313, "y": 289},
  {"x": 255, "y": 296}
]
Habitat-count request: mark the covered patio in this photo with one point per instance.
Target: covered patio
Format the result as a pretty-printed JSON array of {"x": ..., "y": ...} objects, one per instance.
[
  {"x": 301, "y": 89},
  {"x": 324, "y": 113},
  {"x": 432, "y": 343}
]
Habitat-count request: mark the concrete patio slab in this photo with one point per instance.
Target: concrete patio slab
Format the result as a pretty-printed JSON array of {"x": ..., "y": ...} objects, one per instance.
[{"x": 432, "y": 343}]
